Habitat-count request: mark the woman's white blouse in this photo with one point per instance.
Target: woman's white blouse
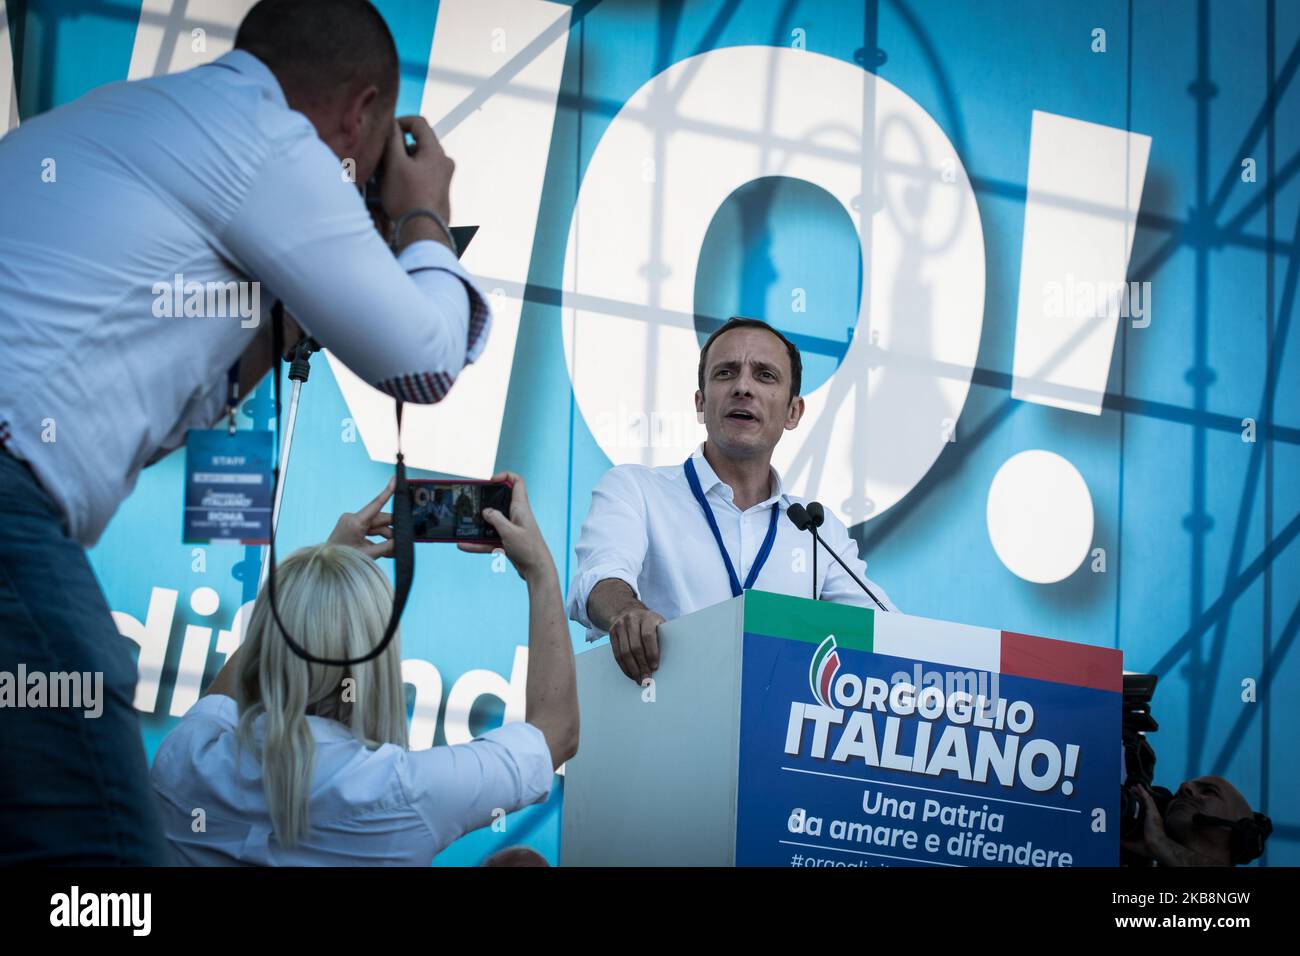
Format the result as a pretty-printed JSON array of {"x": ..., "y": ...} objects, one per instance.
[{"x": 386, "y": 806}]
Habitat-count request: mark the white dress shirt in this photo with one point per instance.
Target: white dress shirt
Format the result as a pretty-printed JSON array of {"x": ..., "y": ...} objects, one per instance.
[
  {"x": 646, "y": 528},
  {"x": 209, "y": 175},
  {"x": 387, "y": 806}
]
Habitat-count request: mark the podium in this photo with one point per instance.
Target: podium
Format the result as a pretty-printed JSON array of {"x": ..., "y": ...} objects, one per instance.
[{"x": 780, "y": 731}]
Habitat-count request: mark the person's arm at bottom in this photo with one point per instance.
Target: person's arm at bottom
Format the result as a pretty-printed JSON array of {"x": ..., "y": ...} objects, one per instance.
[
  {"x": 633, "y": 628},
  {"x": 551, "y": 700}
]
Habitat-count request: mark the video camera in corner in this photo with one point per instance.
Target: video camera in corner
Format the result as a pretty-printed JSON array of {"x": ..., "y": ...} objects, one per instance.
[{"x": 1139, "y": 762}]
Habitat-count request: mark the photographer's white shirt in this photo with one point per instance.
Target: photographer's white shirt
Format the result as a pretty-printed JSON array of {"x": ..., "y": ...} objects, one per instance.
[
  {"x": 646, "y": 528},
  {"x": 382, "y": 807},
  {"x": 205, "y": 177}
]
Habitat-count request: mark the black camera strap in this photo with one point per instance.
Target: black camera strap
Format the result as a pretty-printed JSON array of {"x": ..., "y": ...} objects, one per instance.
[{"x": 403, "y": 545}]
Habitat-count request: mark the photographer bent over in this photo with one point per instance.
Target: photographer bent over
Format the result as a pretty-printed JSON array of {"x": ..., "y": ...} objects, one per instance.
[{"x": 240, "y": 174}]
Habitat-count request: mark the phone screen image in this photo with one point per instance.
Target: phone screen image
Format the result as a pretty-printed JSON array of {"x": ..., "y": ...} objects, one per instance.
[{"x": 453, "y": 510}]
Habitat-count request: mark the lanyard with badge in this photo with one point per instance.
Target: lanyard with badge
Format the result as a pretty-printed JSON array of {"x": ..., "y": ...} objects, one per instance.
[
  {"x": 228, "y": 480},
  {"x": 760, "y": 559}
]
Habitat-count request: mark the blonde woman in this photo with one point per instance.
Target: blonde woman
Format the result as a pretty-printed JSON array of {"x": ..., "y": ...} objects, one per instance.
[{"x": 286, "y": 762}]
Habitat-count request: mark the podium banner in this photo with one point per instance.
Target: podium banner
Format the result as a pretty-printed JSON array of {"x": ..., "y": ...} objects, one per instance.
[{"x": 876, "y": 739}]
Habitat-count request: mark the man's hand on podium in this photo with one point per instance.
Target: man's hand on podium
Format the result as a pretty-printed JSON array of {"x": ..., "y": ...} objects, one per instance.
[{"x": 634, "y": 636}]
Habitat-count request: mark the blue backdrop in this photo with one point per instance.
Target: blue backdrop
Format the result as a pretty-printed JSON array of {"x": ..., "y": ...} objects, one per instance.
[{"x": 1198, "y": 525}]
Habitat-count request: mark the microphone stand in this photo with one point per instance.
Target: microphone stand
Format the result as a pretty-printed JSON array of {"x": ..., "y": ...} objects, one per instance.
[
  {"x": 798, "y": 514},
  {"x": 299, "y": 370},
  {"x": 816, "y": 515},
  {"x": 856, "y": 579},
  {"x": 814, "y": 594}
]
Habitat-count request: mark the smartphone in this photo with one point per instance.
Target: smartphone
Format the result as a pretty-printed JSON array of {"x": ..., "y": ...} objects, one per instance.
[{"x": 453, "y": 510}]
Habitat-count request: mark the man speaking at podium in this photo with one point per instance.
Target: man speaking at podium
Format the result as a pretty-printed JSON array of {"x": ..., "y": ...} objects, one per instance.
[{"x": 659, "y": 543}]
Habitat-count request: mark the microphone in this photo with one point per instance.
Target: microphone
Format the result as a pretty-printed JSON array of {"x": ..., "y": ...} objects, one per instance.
[{"x": 808, "y": 519}]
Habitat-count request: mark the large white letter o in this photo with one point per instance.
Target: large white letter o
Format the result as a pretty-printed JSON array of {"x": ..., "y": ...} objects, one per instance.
[{"x": 676, "y": 150}]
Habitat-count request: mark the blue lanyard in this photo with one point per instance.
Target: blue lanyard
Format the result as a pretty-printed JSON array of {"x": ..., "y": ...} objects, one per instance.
[{"x": 694, "y": 481}]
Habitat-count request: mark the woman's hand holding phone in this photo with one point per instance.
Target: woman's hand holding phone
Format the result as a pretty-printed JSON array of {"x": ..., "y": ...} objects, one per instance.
[{"x": 521, "y": 539}]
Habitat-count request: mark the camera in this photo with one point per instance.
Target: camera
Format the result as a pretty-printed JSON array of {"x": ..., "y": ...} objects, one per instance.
[
  {"x": 460, "y": 235},
  {"x": 375, "y": 182},
  {"x": 1139, "y": 756}
]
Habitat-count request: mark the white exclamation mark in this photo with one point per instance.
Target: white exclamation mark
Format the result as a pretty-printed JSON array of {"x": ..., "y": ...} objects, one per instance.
[{"x": 1083, "y": 190}]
